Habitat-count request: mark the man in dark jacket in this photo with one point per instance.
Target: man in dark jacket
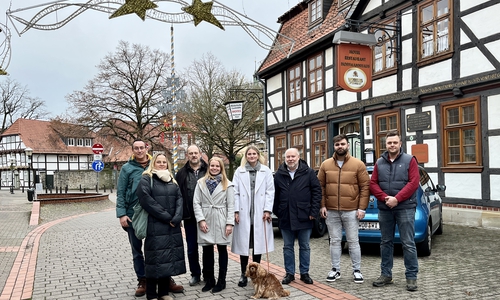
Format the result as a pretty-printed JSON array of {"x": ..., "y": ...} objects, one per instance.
[
  {"x": 395, "y": 180},
  {"x": 296, "y": 204},
  {"x": 187, "y": 178}
]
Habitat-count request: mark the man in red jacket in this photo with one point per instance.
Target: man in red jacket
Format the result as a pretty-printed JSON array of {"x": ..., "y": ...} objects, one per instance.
[
  {"x": 346, "y": 190},
  {"x": 395, "y": 180}
]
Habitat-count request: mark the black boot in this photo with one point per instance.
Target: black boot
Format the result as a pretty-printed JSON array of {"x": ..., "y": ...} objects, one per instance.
[
  {"x": 209, "y": 284},
  {"x": 221, "y": 284},
  {"x": 243, "y": 280}
]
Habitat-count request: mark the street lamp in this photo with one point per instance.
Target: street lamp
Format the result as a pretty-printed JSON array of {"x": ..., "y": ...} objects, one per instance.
[
  {"x": 12, "y": 167},
  {"x": 234, "y": 110},
  {"x": 29, "y": 153}
]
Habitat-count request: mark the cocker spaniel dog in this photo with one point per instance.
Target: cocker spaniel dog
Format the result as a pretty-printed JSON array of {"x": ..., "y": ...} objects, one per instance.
[{"x": 265, "y": 284}]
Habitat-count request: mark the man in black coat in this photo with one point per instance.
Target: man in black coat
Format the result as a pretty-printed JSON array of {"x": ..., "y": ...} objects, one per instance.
[
  {"x": 297, "y": 202},
  {"x": 187, "y": 178}
]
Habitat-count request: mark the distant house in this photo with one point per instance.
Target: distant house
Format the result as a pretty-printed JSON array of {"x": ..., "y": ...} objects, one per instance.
[
  {"x": 52, "y": 151},
  {"x": 435, "y": 79}
]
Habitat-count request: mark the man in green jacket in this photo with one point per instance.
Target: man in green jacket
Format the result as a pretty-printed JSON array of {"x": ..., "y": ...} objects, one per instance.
[
  {"x": 346, "y": 191},
  {"x": 130, "y": 175}
]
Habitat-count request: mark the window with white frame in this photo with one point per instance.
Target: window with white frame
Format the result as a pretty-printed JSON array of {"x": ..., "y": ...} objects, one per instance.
[
  {"x": 79, "y": 142},
  {"x": 63, "y": 158},
  {"x": 315, "y": 11},
  {"x": 71, "y": 141},
  {"x": 88, "y": 142},
  {"x": 73, "y": 158}
]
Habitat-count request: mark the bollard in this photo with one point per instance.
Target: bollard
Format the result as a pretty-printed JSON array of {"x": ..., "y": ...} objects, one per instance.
[
  {"x": 104, "y": 187},
  {"x": 66, "y": 189},
  {"x": 84, "y": 190},
  {"x": 80, "y": 187},
  {"x": 22, "y": 189},
  {"x": 96, "y": 188}
]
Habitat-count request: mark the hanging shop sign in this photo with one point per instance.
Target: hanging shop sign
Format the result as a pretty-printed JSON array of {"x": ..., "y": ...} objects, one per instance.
[{"x": 354, "y": 67}]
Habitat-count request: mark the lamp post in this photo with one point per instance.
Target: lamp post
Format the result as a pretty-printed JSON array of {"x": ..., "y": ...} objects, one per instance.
[
  {"x": 29, "y": 153},
  {"x": 234, "y": 111},
  {"x": 12, "y": 167}
]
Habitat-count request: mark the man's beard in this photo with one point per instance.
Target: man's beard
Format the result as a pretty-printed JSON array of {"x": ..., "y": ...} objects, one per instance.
[{"x": 341, "y": 152}]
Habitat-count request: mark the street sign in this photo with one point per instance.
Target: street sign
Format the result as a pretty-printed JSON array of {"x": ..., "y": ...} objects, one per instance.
[
  {"x": 97, "y": 165},
  {"x": 97, "y": 156},
  {"x": 97, "y": 148}
]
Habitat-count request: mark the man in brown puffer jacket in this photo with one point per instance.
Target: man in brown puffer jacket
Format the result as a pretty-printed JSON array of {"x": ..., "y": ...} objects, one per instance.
[{"x": 346, "y": 191}]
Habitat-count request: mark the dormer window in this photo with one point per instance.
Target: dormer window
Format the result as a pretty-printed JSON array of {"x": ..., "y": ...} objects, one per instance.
[{"x": 315, "y": 11}]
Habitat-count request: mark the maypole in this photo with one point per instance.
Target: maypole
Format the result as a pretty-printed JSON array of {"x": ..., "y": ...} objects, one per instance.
[{"x": 174, "y": 92}]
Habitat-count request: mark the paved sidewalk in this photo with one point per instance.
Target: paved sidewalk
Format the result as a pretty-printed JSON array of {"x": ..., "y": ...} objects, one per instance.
[{"x": 87, "y": 256}]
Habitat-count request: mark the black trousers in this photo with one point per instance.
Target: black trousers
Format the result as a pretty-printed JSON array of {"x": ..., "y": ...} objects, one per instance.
[
  {"x": 153, "y": 283},
  {"x": 209, "y": 262}
]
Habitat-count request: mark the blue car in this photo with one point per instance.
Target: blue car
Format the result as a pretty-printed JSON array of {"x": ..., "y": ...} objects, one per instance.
[{"x": 428, "y": 217}]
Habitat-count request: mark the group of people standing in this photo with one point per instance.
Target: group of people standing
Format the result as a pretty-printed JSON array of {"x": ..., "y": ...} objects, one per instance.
[{"x": 217, "y": 212}]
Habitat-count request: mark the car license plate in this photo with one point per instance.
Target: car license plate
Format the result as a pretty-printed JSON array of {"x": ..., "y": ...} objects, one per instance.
[{"x": 369, "y": 226}]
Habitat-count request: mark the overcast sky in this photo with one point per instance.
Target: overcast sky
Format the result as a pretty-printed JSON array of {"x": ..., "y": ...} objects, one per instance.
[{"x": 53, "y": 64}]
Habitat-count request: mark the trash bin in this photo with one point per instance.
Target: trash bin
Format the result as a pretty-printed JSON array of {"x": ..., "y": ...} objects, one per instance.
[{"x": 31, "y": 195}]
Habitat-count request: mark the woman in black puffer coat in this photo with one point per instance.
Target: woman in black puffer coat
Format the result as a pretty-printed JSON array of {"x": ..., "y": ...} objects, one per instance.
[{"x": 160, "y": 196}]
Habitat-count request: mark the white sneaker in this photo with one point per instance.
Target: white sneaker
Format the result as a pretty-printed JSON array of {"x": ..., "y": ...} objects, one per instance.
[
  {"x": 358, "y": 277},
  {"x": 333, "y": 275}
]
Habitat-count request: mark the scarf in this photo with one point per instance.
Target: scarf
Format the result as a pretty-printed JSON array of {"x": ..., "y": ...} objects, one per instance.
[
  {"x": 212, "y": 182},
  {"x": 164, "y": 175}
]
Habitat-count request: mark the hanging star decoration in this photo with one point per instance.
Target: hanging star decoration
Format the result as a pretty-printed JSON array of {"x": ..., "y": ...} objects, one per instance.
[
  {"x": 138, "y": 7},
  {"x": 2, "y": 72},
  {"x": 202, "y": 12}
]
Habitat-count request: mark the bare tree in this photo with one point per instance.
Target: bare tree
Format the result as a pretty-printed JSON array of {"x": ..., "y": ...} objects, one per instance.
[
  {"x": 123, "y": 97},
  {"x": 17, "y": 103},
  {"x": 210, "y": 87}
]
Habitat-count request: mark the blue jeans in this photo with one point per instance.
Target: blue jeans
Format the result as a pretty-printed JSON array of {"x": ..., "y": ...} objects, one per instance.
[
  {"x": 405, "y": 219},
  {"x": 137, "y": 255},
  {"x": 335, "y": 221},
  {"x": 190, "y": 229},
  {"x": 303, "y": 237}
]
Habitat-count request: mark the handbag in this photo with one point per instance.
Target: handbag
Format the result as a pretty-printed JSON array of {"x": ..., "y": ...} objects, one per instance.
[{"x": 140, "y": 219}]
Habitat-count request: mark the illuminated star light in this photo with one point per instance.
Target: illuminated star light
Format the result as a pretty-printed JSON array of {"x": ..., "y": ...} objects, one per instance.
[
  {"x": 138, "y": 7},
  {"x": 202, "y": 12}
]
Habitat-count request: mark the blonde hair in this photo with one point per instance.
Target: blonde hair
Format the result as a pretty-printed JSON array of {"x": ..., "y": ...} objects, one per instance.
[
  {"x": 244, "y": 158},
  {"x": 151, "y": 167},
  {"x": 224, "y": 181}
]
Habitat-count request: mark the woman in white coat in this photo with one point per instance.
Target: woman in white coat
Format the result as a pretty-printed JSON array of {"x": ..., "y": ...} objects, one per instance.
[
  {"x": 254, "y": 198},
  {"x": 213, "y": 205}
]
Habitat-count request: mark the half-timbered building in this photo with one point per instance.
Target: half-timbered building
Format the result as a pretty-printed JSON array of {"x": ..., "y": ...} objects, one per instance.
[{"x": 435, "y": 78}]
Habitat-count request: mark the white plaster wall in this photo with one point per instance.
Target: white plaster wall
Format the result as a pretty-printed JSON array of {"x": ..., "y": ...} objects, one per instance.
[
  {"x": 435, "y": 73},
  {"x": 434, "y": 178},
  {"x": 407, "y": 146},
  {"x": 406, "y": 24},
  {"x": 271, "y": 120},
  {"x": 372, "y": 5},
  {"x": 495, "y": 187},
  {"x": 494, "y": 112},
  {"x": 328, "y": 57},
  {"x": 329, "y": 99},
  {"x": 494, "y": 145},
  {"x": 464, "y": 39},
  {"x": 456, "y": 187},
  {"x": 384, "y": 86},
  {"x": 316, "y": 105},
  {"x": 271, "y": 151},
  {"x": 329, "y": 79},
  {"x": 466, "y": 4},
  {"x": 494, "y": 48},
  {"x": 365, "y": 94},
  {"x": 407, "y": 79},
  {"x": 273, "y": 83},
  {"x": 295, "y": 112},
  {"x": 345, "y": 97},
  {"x": 308, "y": 143},
  {"x": 276, "y": 101},
  {"x": 476, "y": 21},
  {"x": 433, "y": 153},
  {"x": 472, "y": 61},
  {"x": 407, "y": 52},
  {"x": 432, "y": 109}
]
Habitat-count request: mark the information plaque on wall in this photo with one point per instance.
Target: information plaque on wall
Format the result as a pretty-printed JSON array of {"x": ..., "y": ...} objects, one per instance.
[{"x": 418, "y": 121}]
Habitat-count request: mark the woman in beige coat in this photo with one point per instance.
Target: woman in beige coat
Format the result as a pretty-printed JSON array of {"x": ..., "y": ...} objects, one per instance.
[{"x": 213, "y": 204}]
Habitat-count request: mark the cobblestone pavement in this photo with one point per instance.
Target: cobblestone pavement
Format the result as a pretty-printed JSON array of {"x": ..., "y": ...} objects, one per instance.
[
  {"x": 463, "y": 265},
  {"x": 88, "y": 257}
]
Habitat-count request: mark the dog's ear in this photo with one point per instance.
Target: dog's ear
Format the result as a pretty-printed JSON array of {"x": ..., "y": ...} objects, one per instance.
[{"x": 261, "y": 271}]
